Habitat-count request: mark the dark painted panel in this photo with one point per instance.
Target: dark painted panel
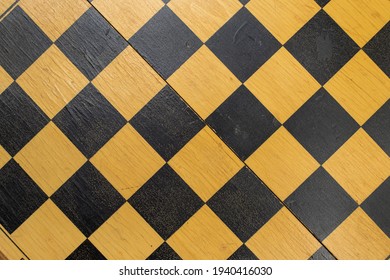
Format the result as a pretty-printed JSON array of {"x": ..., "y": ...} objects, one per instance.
[
  {"x": 21, "y": 119},
  {"x": 243, "y": 122},
  {"x": 20, "y": 196},
  {"x": 164, "y": 252},
  {"x": 321, "y": 125},
  {"x": 165, "y": 42},
  {"x": 322, "y": 254},
  {"x": 89, "y": 120},
  {"x": 88, "y": 199},
  {"x": 86, "y": 251},
  {"x": 244, "y": 204},
  {"x": 243, "y": 253},
  {"x": 243, "y": 44}
]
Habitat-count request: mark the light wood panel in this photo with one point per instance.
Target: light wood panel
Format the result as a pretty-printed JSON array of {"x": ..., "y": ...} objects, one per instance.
[
  {"x": 206, "y": 163},
  {"x": 283, "y": 17},
  {"x": 4, "y": 157},
  {"x": 8, "y": 250},
  {"x": 359, "y": 166},
  {"x": 50, "y": 158},
  {"x": 127, "y": 161},
  {"x": 283, "y": 237},
  {"x": 128, "y": 83},
  {"x": 204, "y": 237},
  {"x": 48, "y": 234},
  {"x": 282, "y": 163},
  {"x": 358, "y": 237},
  {"x": 52, "y": 16},
  {"x": 5, "y": 80},
  {"x": 204, "y": 82},
  {"x": 52, "y": 81},
  {"x": 126, "y": 235},
  {"x": 204, "y": 18}
]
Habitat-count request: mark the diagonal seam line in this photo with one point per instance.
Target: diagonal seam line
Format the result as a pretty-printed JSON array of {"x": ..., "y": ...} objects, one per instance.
[
  {"x": 14, "y": 243},
  {"x": 9, "y": 9}
]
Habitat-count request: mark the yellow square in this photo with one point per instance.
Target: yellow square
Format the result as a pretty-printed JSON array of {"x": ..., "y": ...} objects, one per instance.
[
  {"x": 4, "y": 157},
  {"x": 359, "y": 166},
  {"x": 50, "y": 158},
  {"x": 358, "y": 237},
  {"x": 52, "y": 16},
  {"x": 52, "y": 81},
  {"x": 282, "y": 163},
  {"x": 126, "y": 235},
  {"x": 282, "y": 85},
  {"x": 204, "y": 237},
  {"x": 283, "y": 238},
  {"x": 48, "y": 234},
  {"x": 204, "y": 18},
  {"x": 128, "y": 16},
  {"x": 204, "y": 82},
  {"x": 127, "y": 161},
  {"x": 128, "y": 83},
  {"x": 360, "y": 87},
  {"x": 8, "y": 249},
  {"x": 283, "y": 18},
  {"x": 5, "y": 80},
  {"x": 360, "y": 19},
  {"x": 206, "y": 163}
]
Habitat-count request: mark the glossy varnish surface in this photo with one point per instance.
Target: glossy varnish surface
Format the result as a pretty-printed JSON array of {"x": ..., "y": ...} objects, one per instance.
[{"x": 194, "y": 129}]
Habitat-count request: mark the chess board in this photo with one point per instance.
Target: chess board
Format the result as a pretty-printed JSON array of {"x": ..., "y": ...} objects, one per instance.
[{"x": 194, "y": 129}]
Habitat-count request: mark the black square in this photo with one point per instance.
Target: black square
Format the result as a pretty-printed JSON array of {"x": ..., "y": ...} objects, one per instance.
[
  {"x": 166, "y": 202},
  {"x": 378, "y": 48},
  {"x": 322, "y": 254},
  {"x": 243, "y": 253},
  {"x": 321, "y": 125},
  {"x": 243, "y": 44},
  {"x": 377, "y": 206},
  {"x": 20, "y": 196},
  {"x": 88, "y": 199},
  {"x": 322, "y": 3},
  {"x": 21, "y": 119},
  {"x": 321, "y": 203},
  {"x": 89, "y": 120},
  {"x": 86, "y": 251},
  {"x": 244, "y": 1},
  {"x": 165, "y": 42},
  {"x": 378, "y": 127},
  {"x": 91, "y": 43},
  {"x": 322, "y": 47},
  {"x": 167, "y": 123},
  {"x": 243, "y": 122},
  {"x": 164, "y": 252},
  {"x": 244, "y": 204},
  {"x": 21, "y": 42}
]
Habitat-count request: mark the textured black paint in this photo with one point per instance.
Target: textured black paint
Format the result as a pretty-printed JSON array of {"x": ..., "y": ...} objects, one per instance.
[
  {"x": 378, "y": 48},
  {"x": 244, "y": 1},
  {"x": 243, "y": 122},
  {"x": 167, "y": 123},
  {"x": 377, "y": 206},
  {"x": 89, "y": 120},
  {"x": 321, "y": 125},
  {"x": 322, "y": 254},
  {"x": 378, "y": 127},
  {"x": 243, "y": 44},
  {"x": 243, "y": 253},
  {"x": 244, "y": 204},
  {"x": 86, "y": 251},
  {"x": 166, "y": 202},
  {"x": 20, "y": 119},
  {"x": 322, "y": 3},
  {"x": 321, "y": 203},
  {"x": 91, "y": 43},
  {"x": 20, "y": 196},
  {"x": 21, "y": 42},
  {"x": 165, "y": 42},
  {"x": 88, "y": 199},
  {"x": 164, "y": 252},
  {"x": 322, "y": 47}
]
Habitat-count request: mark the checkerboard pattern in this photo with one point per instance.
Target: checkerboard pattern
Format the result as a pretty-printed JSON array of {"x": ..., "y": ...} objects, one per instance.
[{"x": 193, "y": 129}]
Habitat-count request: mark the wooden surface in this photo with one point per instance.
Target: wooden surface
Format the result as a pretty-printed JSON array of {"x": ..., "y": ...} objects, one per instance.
[{"x": 193, "y": 129}]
